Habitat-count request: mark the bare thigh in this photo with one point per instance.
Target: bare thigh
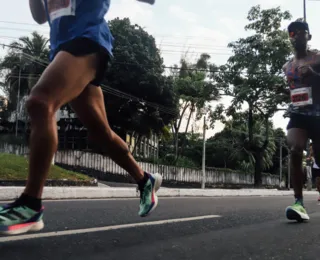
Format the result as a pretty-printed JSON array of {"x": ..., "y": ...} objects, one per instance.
[
  {"x": 297, "y": 139},
  {"x": 64, "y": 79}
]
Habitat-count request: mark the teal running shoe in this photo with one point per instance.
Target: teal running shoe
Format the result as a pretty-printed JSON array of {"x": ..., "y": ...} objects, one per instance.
[
  {"x": 148, "y": 196},
  {"x": 16, "y": 220},
  {"x": 297, "y": 212}
]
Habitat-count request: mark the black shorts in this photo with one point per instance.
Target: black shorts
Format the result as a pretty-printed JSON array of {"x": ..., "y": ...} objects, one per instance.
[
  {"x": 84, "y": 46},
  {"x": 309, "y": 123},
  {"x": 315, "y": 174}
]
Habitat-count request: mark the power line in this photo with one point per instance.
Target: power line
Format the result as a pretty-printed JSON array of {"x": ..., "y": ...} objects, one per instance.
[
  {"x": 178, "y": 48},
  {"x": 105, "y": 89},
  {"x": 133, "y": 64},
  {"x": 164, "y": 67},
  {"x": 157, "y": 35}
]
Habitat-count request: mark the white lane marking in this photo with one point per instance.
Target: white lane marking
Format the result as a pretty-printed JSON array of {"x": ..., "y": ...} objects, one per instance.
[
  {"x": 307, "y": 197},
  {"x": 101, "y": 229},
  {"x": 117, "y": 199}
]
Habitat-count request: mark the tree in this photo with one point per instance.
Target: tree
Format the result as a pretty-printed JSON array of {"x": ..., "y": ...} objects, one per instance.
[
  {"x": 228, "y": 148},
  {"x": 281, "y": 143},
  {"x": 146, "y": 102},
  {"x": 195, "y": 92},
  {"x": 253, "y": 75},
  {"x": 24, "y": 61}
]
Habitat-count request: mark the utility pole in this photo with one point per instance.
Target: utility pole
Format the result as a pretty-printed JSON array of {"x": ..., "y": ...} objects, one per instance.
[
  {"x": 18, "y": 98},
  {"x": 203, "y": 184},
  {"x": 289, "y": 168},
  {"x": 280, "y": 161},
  {"x": 304, "y": 10}
]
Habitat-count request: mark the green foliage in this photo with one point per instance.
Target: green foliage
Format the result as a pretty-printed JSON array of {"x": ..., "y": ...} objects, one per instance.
[
  {"x": 195, "y": 92},
  {"x": 253, "y": 77},
  {"x": 12, "y": 139},
  {"x": 170, "y": 160},
  {"x": 228, "y": 148},
  {"x": 33, "y": 48},
  {"x": 253, "y": 72},
  {"x": 14, "y": 167},
  {"x": 137, "y": 69}
]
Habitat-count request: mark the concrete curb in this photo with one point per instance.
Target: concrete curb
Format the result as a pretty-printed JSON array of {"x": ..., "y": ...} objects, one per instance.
[{"x": 9, "y": 193}]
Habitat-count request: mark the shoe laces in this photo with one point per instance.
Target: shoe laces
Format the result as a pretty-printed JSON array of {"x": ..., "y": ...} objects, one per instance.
[{"x": 141, "y": 189}]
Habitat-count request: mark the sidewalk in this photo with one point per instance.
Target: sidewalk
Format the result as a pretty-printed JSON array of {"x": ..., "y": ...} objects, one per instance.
[{"x": 9, "y": 193}]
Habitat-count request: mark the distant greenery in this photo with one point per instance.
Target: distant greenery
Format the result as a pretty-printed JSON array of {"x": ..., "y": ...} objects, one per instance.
[{"x": 14, "y": 167}]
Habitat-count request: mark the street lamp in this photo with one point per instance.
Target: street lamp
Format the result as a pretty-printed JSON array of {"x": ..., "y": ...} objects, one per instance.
[{"x": 305, "y": 8}]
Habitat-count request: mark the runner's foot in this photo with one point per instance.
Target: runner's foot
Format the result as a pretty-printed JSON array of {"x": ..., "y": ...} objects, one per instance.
[
  {"x": 297, "y": 212},
  {"x": 148, "y": 196},
  {"x": 16, "y": 220}
]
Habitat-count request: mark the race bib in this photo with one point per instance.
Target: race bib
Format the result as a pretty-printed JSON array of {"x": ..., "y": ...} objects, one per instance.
[
  {"x": 301, "y": 96},
  {"x": 59, "y": 8}
]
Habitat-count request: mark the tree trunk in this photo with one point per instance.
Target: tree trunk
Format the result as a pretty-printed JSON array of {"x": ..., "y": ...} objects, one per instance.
[
  {"x": 186, "y": 130},
  {"x": 176, "y": 145},
  {"x": 258, "y": 156},
  {"x": 177, "y": 128},
  {"x": 189, "y": 118},
  {"x": 137, "y": 143},
  {"x": 250, "y": 124}
]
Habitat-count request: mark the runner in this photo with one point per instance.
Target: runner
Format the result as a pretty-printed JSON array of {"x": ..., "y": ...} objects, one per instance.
[
  {"x": 81, "y": 46},
  {"x": 315, "y": 172},
  {"x": 304, "y": 111}
]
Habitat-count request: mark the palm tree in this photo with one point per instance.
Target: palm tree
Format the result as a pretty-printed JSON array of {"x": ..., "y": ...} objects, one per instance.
[
  {"x": 242, "y": 152},
  {"x": 24, "y": 62},
  {"x": 196, "y": 92}
]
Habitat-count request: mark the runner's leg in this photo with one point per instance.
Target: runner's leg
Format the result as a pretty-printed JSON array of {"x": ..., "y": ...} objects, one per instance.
[
  {"x": 90, "y": 109},
  {"x": 297, "y": 139},
  {"x": 63, "y": 80},
  {"x": 316, "y": 155}
]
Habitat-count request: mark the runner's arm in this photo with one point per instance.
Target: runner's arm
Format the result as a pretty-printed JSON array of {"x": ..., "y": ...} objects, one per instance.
[
  {"x": 279, "y": 87},
  {"x": 38, "y": 11},
  {"x": 147, "y": 1}
]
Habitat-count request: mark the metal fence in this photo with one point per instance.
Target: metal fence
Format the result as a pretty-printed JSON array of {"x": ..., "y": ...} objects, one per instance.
[{"x": 103, "y": 168}]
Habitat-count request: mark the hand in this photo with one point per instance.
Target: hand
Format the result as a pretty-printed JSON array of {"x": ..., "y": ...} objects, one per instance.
[{"x": 151, "y": 2}]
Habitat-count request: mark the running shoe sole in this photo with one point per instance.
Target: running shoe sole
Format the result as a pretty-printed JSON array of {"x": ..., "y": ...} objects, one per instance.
[
  {"x": 156, "y": 187},
  {"x": 22, "y": 228},
  {"x": 296, "y": 215}
]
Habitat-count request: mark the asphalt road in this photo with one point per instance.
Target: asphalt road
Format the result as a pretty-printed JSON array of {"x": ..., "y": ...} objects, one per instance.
[{"x": 234, "y": 228}]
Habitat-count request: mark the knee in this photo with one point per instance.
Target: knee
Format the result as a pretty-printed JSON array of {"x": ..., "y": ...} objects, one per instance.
[
  {"x": 101, "y": 136},
  {"x": 296, "y": 150},
  {"x": 39, "y": 108}
]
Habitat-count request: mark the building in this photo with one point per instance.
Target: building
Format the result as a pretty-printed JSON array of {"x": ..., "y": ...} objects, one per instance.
[
  {"x": 73, "y": 135},
  {"x": 145, "y": 147}
]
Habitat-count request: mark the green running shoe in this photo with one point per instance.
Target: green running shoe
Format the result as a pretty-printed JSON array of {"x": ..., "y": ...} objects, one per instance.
[
  {"x": 16, "y": 220},
  {"x": 148, "y": 196},
  {"x": 297, "y": 212}
]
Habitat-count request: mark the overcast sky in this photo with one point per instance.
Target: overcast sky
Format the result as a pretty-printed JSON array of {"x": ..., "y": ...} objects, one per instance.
[{"x": 179, "y": 26}]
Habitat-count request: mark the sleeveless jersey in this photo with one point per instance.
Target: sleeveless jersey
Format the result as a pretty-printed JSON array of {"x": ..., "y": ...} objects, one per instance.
[
  {"x": 304, "y": 92},
  {"x": 69, "y": 19}
]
